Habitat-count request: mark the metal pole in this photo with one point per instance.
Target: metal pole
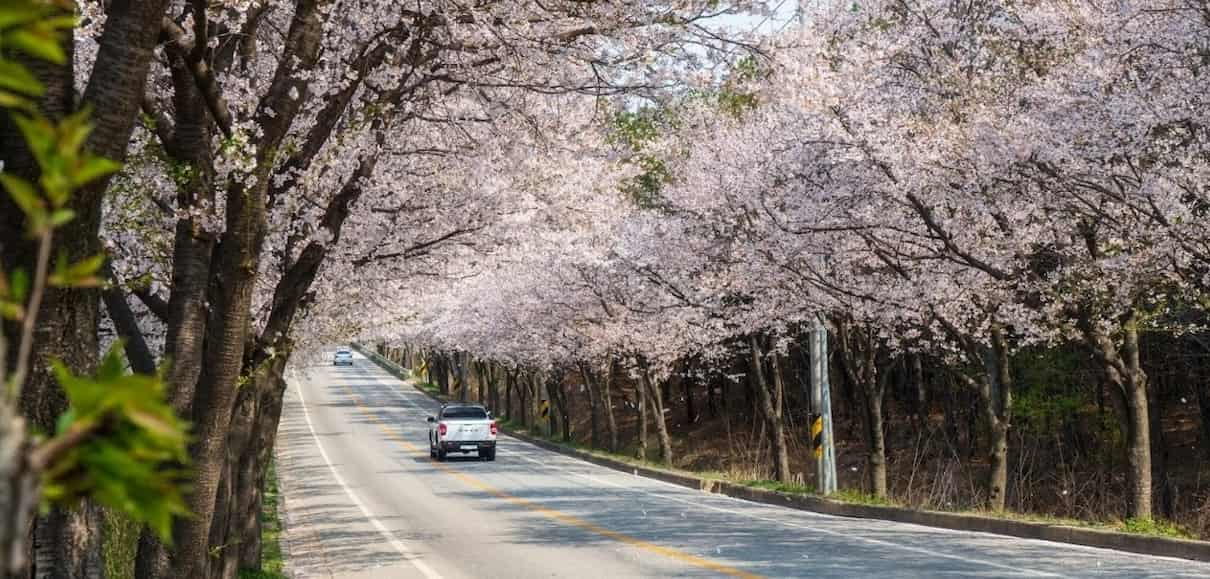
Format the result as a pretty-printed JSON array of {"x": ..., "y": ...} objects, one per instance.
[{"x": 821, "y": 405}]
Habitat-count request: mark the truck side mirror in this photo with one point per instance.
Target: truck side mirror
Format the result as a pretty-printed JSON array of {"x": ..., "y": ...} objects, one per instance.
[{"x": 431, "y": 419}]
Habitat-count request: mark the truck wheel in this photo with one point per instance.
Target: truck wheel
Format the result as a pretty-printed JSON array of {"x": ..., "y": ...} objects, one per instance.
[
  {"x": 489, "y": 455},
  {"x": 440, "y": 455}
]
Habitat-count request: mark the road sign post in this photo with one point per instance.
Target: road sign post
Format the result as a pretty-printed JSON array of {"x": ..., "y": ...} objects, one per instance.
[{"x": 822, "y": 443}]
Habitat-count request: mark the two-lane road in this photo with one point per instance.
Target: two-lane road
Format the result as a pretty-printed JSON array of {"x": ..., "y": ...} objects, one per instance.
[{"x": 363, "y": 499}]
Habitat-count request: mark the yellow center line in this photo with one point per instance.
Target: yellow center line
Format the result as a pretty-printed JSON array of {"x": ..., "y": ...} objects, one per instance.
[{"x": 557, "y": 515}]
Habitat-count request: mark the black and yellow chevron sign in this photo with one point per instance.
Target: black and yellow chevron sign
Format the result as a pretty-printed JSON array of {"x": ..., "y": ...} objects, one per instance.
[
  {"x": 817, "y": 435},
  {"x": 544, "y": 409}
]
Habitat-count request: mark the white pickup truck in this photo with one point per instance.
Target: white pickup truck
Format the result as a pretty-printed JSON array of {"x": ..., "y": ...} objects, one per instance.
[{"x": 462, "y": 428}]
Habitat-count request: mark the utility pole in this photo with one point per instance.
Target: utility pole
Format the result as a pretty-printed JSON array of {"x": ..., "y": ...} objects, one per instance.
[{"x": 821, "y": 405}]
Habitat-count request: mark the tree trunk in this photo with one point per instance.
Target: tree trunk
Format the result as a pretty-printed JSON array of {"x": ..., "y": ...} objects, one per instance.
[
  {"x": 859, "y": 352},
  {"x": 509, "y": 384},
  {"x": 1124, "y": 374},
  {"x": 594, "y": 435},
  {"x": 661, "y": 418},
  {"x": 876, "y": 437},
  {"x": 254, "y": 465},
  {"x": 558, "y": 397},
  {"x": 777, "y": 429},
  {"x": 607, "y": 399},
  {"x": 66, "y": 543},
  {"x": 687, "y": 388},
  {"x": 641, "y": 397},
  {"x": 997, "y": 404},
  {"x": 235, "y": 531},
  {"x": 1202, "y": 388},
  {"x": 460, "y": 376},
  {"x": 920, "y": 399}
]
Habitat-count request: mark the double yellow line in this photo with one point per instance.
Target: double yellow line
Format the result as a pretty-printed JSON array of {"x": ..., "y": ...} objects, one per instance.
[{"x": 394, "y": 434}]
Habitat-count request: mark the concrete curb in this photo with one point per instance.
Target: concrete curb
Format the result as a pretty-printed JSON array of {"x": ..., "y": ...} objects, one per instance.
[{"x": 1142, "y": 544}]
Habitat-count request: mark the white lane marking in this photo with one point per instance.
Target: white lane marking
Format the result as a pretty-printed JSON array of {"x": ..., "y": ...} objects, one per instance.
[
  {"x": 390, "y": 537},
  {"x": 390, "y": 382}
]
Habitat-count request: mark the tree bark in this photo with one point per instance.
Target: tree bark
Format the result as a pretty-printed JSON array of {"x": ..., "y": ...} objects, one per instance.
[
  {"x": 554, "y": 386},
  {"x": 777, "y": 428},
  {"x": 607, "y": 400},
  {"x": 67, "y": 543},
  {"x": 509, "y": 384},
  {"x": 661, "y": 418},
  {"x": 641, "y": 397},
  {"x": 1125, "y": 375},
  {"x": 997, "y": 404},
  {"x": 594, "y": 435},
  {"x": 687, "y": 388},
  {"x": 859, "y": 351}
]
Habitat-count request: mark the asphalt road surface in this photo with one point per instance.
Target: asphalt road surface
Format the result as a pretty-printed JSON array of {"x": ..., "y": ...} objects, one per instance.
[{"x": 363, "y": 499}]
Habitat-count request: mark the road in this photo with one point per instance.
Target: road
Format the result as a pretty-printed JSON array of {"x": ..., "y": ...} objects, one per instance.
[{"x": 364, "y": 500}]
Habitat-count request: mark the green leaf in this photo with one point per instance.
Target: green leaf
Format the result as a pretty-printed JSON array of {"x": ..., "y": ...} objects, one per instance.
[
  {"x": 80, "y": 274},
  {"x": 17, "y": 78},
  {"x": 23, "y": 193},
  {"x": 15, "y": 12},
  {"x": 136, "y": 464},
  {"x": 10, "y": 100},
  {"x": 61, "y": 217},
  {"x": 40, "y": 42},
  {"x": 39, "y": 135},
  {"x": 11, "y": 311},
  {"x": 94, "y": 168},
  {"x": 19, "y": 281}
]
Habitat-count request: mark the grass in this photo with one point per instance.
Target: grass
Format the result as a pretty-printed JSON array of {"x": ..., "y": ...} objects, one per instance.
[
  {"x": 1155, "y": 528},
  {"x": 860, "y": 498},
  {"x": 1146, "y": 527},
  {"x": 772, "y": 485},
  {"x": 272, "y": 566},
  {"x": 429, "y": 387}
]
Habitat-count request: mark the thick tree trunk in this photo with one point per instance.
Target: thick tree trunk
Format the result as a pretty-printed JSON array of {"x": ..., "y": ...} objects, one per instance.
[
  {"x": 67, "y": 543},
  {"x": 777, "y": 429},
  {"x": 235, "y": 537},
  {"x": 997, "y": 403},
  {"x": 661, "y": 418},
  {"x": 253, "y": 467},
  {"x": 1125, "y": 375}
]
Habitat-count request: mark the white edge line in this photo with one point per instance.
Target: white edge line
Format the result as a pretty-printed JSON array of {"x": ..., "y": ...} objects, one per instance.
[{"x": 386, "y": 533}]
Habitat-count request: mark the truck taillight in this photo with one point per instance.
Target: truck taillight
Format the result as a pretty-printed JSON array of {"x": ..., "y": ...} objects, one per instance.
[
  {"x": 495, "y": 428},
  {"x": 441, "y": 429}
]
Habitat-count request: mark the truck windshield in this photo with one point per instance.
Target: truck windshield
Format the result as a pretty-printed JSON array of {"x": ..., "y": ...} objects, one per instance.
[{"x": 467, "y": 413}]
